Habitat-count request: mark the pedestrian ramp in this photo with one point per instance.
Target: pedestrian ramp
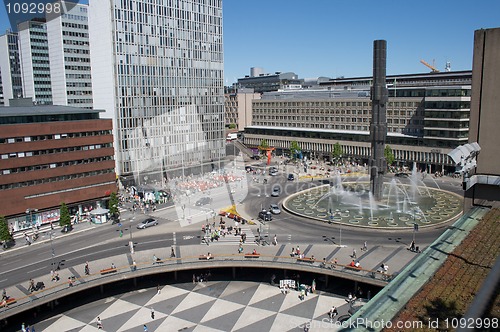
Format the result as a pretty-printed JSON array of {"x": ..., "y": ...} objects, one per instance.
[{"x": 231, "y": 239}]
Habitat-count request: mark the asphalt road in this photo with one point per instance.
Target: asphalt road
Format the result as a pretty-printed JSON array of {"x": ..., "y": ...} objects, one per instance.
[{"x": 90, "y": 242}]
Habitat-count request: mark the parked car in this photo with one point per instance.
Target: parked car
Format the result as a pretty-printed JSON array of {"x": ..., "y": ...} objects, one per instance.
[
  {"x": 203, "y": 201},
  {"x": 273, "y": 172},
  {"x": 265, "y": 215},
  {"x": 276, "y": 192},
  {"x": 291, "y": 177},
  {"x": 147, "y": 223},
  {"x": 274, "y": 208}
]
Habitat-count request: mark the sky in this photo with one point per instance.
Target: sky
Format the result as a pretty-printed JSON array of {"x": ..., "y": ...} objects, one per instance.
[{"x": 334, "y": 38}]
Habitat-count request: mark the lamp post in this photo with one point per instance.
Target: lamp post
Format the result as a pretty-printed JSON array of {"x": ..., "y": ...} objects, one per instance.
[{"x": 131, "y": 242}]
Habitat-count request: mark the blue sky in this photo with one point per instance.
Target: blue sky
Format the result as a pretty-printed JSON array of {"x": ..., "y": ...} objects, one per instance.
[{"x": 335, "y": 38}]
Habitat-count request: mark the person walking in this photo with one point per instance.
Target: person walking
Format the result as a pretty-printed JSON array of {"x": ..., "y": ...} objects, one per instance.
[
  {"x": 145, "y": 328},
  {"x": 354, "y": 253},
  {"x": 152, "y": 313},
  {"x": 99, "y": 323},
  {"x": 365, "y": 247},
  {"x": 87, "y": 269},
  {"x": 275, "y": 240}
]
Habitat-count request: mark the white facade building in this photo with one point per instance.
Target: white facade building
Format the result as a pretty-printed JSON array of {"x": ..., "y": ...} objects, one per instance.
[
  {"x": 35, "y": 64},
  {"x": 157, "y": 70},
  {"x": 69, "y": 54}
]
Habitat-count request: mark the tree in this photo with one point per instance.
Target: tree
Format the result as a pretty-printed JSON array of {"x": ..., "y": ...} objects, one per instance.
[
  {"x": 294, "y": 149},
  {"x": 5, "y": 235},
  {"x": 232, "y": 126},
  {"x": 263, "y": 145},
  {"x": 113, "y": 204},
  {"x": 337, "y": 152},
  {"x": 389, "y": 156},
  {"x": 64, "y": 217}
]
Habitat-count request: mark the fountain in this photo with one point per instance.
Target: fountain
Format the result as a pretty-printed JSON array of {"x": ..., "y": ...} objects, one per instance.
[{"x": 377, "y": 203}]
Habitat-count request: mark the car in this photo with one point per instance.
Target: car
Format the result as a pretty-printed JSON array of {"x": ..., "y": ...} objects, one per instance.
[
  {"x": 255, "y": 157},
  {"x": 203, "y": 201},
  {"x": 265, "y": 215},
  {"x": 273, "y": 172},
  {"x": 249, "y": 169},
  {"x": 276, "y": 192},
  {"x": 402, "y": 175},
  {"x": 274, "y": 208},
  {"x": 147, "y": 223},
  {"x": 291, "y": 177}
]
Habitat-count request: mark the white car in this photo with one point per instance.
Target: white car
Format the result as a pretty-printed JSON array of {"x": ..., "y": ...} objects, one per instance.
[
  {"x": 147, "y": 223},
  {"x": 276, "y": 192},
  {"x": 274, "y": 208}
]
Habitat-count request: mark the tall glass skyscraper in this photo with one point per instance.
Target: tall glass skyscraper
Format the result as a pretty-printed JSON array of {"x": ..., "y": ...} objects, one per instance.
[{"x": 157, "y": 70}]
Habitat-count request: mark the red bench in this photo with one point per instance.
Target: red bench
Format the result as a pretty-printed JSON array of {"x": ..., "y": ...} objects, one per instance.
[{"x": 108, "y": 271}]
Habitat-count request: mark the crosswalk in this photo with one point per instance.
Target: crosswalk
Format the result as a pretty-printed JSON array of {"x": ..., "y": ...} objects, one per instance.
[{"x": 231, "y": 239}]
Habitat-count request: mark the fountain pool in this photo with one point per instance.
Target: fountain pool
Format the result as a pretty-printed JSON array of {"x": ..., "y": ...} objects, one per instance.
[{"x": 351, "y": 203}]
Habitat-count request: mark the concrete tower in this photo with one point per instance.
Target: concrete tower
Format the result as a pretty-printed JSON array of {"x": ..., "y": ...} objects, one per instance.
[{"x": 378, "y": 124}]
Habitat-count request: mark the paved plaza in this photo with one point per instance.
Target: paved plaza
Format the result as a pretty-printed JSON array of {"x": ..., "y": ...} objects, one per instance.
[{"x": 205, "y": 306}]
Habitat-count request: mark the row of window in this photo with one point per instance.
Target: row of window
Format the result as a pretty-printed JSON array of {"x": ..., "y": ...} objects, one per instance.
[
  {"x": 75, "y": 25},
  {"x": 54, "y": 165},
  {"x": 54, "y": 179},
  {"x": 53, "y": 151},
  {"x": 10, "y": 140}
]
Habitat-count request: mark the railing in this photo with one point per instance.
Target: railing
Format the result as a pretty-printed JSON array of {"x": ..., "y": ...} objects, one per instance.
[{"x": 98, "y": 278}]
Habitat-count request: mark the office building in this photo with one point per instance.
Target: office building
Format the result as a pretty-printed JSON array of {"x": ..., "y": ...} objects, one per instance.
[
  {"x": 69, "y": 54},
  {"x": 53, "y": 154},
  {"x": 427, "y": 117},
  {"x": 35, "y": 64},
  {"x": 260, "y": 82},
  {"x": 238, "y": 106},
  {"x": 157, "y": 70},
  {"x": 10, "y": 68},
  {"x": 483, "y": 187}
]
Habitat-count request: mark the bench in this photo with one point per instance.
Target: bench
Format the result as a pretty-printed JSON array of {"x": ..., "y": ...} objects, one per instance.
[
  {"x": 8, "y": 301},
  {"x": 108, "y": 271},
  {"x": 353, "y": 268},
  {"x": 250, "y": 255},
  {"x": 205, "y": 257},
  {"x": 306, "y": 260}
]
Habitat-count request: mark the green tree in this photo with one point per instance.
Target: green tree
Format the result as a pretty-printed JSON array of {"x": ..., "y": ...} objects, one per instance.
[
  {"x": 113, "y": 204},
  {"x": 337, "y": 152},
  {"x": 389, "y": 156},
  {"x": 5, "y": 235},
  {"x": 263, "y": 145},
  {"x": 64, "y": 217},
  {"x": 232, "y": 126},
  {"x": 294, "y": 149}
]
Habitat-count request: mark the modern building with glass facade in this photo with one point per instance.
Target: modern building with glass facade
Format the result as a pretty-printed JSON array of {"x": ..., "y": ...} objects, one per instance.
[
  {"x": 427, "y": 115},
  {"x": 157, "y": 70},
  {"x": 10, "y": 68},
  {"x": 69, "y": 53},
  {"x": 35, "y": 64},
  {"x": 49, "y": 155}
]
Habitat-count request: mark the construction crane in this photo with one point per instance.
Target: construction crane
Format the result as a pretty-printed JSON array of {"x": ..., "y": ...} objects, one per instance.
[{"x": 432, "y": 68}]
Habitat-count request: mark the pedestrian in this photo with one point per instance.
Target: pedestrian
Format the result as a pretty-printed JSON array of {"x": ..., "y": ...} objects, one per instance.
[
  {"x": 365, "y": 247},
  {"x": 99, "y": 323},
  {"x": 194, "y": 279},
  {"x": 145, "y": 328},
  {"x": 152, "y": 313},
  {"x": 87, "y": 269},
  {"x": 354, "y": 253},
  {"x": 158, "y": 290},
  {"x": 275, "y": 240},
  {"x": 172, "y": 253},
  {"x": 134, "y": 266}
]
